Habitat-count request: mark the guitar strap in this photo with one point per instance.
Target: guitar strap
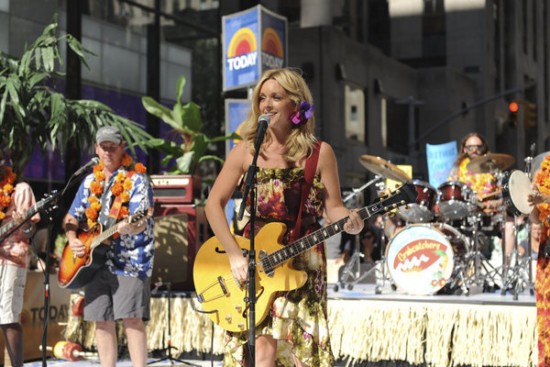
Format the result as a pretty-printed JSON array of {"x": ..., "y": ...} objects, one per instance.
[
  {"x": 115, "y": 207},
  {"x": 309, "y": 174}
]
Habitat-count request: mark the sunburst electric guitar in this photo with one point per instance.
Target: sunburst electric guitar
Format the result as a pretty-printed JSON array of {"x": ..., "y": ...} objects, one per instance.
[
  {"x": 224, "y": 300},
  {"x": 74, "y": 271}
]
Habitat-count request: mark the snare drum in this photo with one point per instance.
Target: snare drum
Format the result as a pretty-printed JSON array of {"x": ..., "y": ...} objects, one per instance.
[
  {"x": 420, "y": 258},
  {"x": 515, "y": 189},
  {"x": 422, "y": 210},
  {"x": 454, "y": 200}
]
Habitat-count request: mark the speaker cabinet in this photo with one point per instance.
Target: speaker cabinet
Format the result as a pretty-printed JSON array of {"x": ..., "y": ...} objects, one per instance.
[
  {"x": 182, "y": 189},
  {"x": 180, "y": 229}
]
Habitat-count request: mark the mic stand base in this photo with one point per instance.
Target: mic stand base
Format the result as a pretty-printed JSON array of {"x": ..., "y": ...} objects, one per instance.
[{"x": 169, "y": 347}]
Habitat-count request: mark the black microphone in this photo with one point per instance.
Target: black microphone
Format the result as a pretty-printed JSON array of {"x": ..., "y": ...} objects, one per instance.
[
  {"x": 263, "y": 121},
  {"x": 92, "y": 162}
]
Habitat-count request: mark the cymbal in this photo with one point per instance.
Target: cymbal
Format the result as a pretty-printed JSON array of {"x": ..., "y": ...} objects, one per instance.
[
  {"x": 490, "y": 162},
  {"x": 382, "y": 167}
]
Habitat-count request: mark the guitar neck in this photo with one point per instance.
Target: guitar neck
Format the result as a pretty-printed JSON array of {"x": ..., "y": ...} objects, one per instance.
[
  {"x": 11, "y": 226},
  {"x": 6, "y": 228},
  {"x": 293, "y": 249},
  {"x": 105, "y": 235}
]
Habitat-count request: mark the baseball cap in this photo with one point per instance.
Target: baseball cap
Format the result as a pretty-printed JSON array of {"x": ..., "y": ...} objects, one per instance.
[{"x": 108, "y": 133}]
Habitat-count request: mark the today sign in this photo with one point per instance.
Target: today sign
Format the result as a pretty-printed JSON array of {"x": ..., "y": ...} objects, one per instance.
[{"x": 254, "y": 40}]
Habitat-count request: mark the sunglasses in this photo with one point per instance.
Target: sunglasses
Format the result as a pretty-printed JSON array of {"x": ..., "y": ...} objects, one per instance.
[{"x": 472, "y": 147}]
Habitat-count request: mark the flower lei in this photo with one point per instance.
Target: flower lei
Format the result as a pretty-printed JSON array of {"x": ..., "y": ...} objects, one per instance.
[
  {"x": 481, "y": 183},
  {"x": 542, "y": 180},
  {"x": 303, "y": 114},
  {"x": 6, "y": 189},
  {"x": 121, "y": 187}
]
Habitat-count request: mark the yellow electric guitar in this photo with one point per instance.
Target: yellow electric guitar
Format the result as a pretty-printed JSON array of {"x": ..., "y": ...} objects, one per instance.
[{"x": 225, "y": 301}]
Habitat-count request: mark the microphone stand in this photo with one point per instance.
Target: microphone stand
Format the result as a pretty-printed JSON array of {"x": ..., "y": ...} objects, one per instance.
[
  {"x": 250, "y": 189},
  {"x": 50, "y": 235}
]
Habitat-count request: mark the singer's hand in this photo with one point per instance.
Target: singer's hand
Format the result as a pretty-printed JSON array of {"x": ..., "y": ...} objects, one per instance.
[
  {"x": 354, "y": 224},
  {"x": 239, "y": 268}
]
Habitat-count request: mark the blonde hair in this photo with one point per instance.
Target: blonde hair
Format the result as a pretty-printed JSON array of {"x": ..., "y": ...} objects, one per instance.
[{"x": 301, "y": 139}]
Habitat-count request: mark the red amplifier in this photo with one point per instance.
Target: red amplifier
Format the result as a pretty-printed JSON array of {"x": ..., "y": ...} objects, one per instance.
[{"x": 176, "y": 188}]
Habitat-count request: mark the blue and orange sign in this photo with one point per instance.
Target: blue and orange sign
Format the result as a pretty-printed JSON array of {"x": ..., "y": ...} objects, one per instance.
[{"x": 254, "y": 40}]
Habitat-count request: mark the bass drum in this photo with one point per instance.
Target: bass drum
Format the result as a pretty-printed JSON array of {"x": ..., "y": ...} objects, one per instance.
[{"x": 420, "y": 259}]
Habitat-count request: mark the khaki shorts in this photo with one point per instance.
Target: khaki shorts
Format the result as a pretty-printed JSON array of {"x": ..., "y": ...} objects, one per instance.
[
  {"x": 116, "y": 297},
  {"x": 12, "y": 287}
]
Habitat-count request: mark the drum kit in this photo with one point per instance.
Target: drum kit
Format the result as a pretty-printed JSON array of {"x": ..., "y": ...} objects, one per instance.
[{"x": 442, "y": 240}]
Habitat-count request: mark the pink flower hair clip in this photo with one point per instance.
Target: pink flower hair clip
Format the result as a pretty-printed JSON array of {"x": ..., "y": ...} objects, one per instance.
[{"x": 303, "y": 114}]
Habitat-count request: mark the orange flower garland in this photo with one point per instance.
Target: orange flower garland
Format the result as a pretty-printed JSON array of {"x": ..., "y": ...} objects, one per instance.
[
  {"x": 6, "y": 189},
  {"x": 542, "y": 180},
  {"x": 481, "y": 183},
  {"x": 121, "y": 187}
]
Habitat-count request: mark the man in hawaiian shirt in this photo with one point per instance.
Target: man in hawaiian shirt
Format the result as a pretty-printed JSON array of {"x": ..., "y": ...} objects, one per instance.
[{"x": 120, "y": 289}]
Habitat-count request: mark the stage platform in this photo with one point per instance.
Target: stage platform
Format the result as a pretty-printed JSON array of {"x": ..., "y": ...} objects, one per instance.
[{"x": 479, "y": 329}]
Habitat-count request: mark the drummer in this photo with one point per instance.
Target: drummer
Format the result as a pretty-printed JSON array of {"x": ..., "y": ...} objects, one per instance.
[{"x": 484, "y": 185}]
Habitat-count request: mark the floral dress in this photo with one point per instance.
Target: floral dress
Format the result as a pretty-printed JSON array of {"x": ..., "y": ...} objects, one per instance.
[
  {"x": 542, "y": 281},
  {"x": 298, "y": 318}
]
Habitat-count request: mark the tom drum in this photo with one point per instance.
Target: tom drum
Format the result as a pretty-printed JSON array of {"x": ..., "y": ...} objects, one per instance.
[
  {"x": 454, "y": 200},
  {"x": 422, "y": 210}
]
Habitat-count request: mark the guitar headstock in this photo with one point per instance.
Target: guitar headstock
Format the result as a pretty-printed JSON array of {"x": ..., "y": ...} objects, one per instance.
[
  {"x": 140, "y": 214},
  {"x": 403, "y": 195}
]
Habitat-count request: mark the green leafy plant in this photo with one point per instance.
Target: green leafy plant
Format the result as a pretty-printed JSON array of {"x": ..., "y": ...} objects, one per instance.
[
  {"x": 33, "y": 113},
  {"x": 186, "y": 120}
]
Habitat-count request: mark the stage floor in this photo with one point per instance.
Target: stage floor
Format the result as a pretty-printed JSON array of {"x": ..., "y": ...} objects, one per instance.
[
  {"x": 478, "y": 328},
  {"x": 475, "y": 297},
  {"x": 126, "y": 363}
]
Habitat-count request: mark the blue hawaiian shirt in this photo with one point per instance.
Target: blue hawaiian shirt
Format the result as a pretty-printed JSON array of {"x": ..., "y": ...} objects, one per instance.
[{"x": 129, "y": 255}]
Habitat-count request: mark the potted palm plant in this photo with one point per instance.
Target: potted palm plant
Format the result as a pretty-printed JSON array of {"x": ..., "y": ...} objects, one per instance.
[
  {"x": 190, "y": 149},
  {"x": 31, "y": 110},
  {"x": 186, "y": 121}
]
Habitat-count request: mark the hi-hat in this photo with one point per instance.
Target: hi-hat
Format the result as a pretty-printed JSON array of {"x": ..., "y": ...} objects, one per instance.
[
  {"x": 384, "y": 168},
  {"x": 490, "y": 162}
]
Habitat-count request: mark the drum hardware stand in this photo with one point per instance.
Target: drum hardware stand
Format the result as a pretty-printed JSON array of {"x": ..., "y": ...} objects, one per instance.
[
  {"x": 457, "y": 279},
  {"x": 356, "y": 191},
  {"x": 348, "y": 272},
  {"x": 480, "y": 262},
  {"x": 355, "y": 259},
  {"x": 515, "y": 274},
  {"x": 356, "y": 276}
]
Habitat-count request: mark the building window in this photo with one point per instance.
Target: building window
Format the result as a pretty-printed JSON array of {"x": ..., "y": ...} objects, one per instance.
[{"x": 355, "y": 113}]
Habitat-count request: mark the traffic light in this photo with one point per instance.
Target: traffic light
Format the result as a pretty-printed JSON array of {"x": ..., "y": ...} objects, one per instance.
[
  {"x": 513, "y": 108},
  {"x": 529, "y": 114}
]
